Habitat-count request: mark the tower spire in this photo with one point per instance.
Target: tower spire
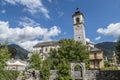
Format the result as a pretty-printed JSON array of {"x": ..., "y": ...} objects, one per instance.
[{"x": 77, "y": 9}]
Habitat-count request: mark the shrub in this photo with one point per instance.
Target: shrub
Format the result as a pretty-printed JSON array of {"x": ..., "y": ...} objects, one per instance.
[{"x": 8, "y": 75}]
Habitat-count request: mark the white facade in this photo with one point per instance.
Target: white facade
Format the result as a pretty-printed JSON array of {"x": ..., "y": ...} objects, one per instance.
[
  {"x": 44, "y": 48},
  {"x": 17, "y": 65}
]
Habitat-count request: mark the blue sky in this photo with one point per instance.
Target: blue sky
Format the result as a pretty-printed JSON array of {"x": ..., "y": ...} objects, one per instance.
[{"x": 27, "y": 22}]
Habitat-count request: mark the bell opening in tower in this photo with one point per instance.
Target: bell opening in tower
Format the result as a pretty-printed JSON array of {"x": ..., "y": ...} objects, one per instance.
[{"x": 77, "y": 20}]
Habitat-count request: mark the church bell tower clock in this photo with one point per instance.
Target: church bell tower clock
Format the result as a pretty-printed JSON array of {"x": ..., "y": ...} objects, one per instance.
[{"x": 78, "y": 22}]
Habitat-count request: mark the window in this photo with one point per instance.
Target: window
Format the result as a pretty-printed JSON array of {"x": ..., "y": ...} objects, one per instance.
[
  {"x": 95, "y": 55},
  {"x": 91, "y": 63},
  {"x": 46, "y": 49},
  {"x": 40, "y": 51},
  {"x": 77, "y": 20},
  {"x": 96, "y": 64}
]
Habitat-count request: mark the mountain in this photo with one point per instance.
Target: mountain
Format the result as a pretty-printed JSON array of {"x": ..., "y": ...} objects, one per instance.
[
  {"x": 17, "y": 51},
  {"x": 107, "y": 47}
]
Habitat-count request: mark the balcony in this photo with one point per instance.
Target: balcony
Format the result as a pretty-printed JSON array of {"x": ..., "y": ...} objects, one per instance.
[{"x": 97, "y": 57}]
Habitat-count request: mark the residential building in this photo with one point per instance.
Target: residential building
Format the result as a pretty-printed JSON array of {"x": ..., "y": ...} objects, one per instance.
[
  {"x": 96, "y": 58},
  {"x": 16, "y": 64}
]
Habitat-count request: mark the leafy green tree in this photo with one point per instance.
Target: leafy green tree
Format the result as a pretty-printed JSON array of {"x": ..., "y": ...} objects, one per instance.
[
  {"x": 60, "y": 59},
  {"x": 77, "y": 68},
  {"x": 45, "y": 71},
  {"x": 68, "y": 51},
  {"x": 55, "y": 59},
  {"x": 35, "y": 61},
  {"x": 8, "y": 75},
  {"x": 106, "y": 64},
  {"x": 4, "y": 55},
  {"x": 13, "y": 51},
  {"x": 43, "y": 65},
  {"x": 118, "y": 50},
  {"x": 64, "y": 70}
]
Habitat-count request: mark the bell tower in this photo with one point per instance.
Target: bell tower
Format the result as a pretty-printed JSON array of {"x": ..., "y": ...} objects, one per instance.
[{"x": 78, "y": 25}]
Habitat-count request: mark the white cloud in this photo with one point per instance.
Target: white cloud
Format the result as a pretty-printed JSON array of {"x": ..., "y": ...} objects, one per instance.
[
  {"x": 11, "y": 2},
  {"x": 3, "y": 11},
  {"x": 110, "y": 30},
  {"x": 23, "y": 36},
  {"x": 28, "y": 44},
  {"x": 60, "y": 13},
  {"x": 33, "y": 6},
  {"x": 65, "y": 33},
  {"x": 50, "y": 1},
  {"x": 115, "y": 41},
  {"x": 3, "y": 3},
  {"x": 98, "y": 38},
  {"x": 88, "y": 40},
  {"x": 25, "y": 21}
]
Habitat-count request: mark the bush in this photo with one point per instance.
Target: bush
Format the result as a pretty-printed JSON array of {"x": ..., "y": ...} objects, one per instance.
[
  {"x": 8, "y": 75},
  {"x": 110, "y": 68}
]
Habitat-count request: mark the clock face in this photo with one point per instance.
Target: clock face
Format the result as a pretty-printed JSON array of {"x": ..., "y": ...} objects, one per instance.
[{"x": 77, "y": 27}]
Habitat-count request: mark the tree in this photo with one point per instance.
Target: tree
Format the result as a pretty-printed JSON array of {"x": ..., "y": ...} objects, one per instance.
[
  {"x": 35, "y": 61},
  {"x": 13, "y": 51},
  {"x": 64, "y": 70},
  {"x": 118, "y": 50},
  {"x": 4, "y": 55},
  {"x": 8, "y": 75},
  {"x": 45, "y": 71},
  {"x": 68, "y": 51},
  {"x": 43, "y": 65}
]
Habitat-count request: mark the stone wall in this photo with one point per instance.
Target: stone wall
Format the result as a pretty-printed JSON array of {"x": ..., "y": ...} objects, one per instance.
[
  {"x": 93, "y": 75},
  {"x": 102, "y": 75},
  {"x": 108, "y": 75},
  {"x": 90, "y": 74},
  {"x": 53, "y": 74}
]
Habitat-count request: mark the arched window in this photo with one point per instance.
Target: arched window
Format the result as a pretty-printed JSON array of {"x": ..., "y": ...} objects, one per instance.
[{"x": 77, "y": 20}]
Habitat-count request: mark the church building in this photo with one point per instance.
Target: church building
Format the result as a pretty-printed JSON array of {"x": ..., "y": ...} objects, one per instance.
[{"x": 95, "y": 55}]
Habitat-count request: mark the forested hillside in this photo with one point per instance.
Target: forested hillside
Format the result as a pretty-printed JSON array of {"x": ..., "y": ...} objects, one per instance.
[{"x": 107, "y": 47}]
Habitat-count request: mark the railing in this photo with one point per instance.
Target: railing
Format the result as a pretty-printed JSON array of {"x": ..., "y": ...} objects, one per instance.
[{"x": 95, "y": 57}]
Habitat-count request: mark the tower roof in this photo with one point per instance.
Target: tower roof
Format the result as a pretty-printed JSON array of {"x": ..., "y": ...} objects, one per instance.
[{"x": 77, "y": 12}]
